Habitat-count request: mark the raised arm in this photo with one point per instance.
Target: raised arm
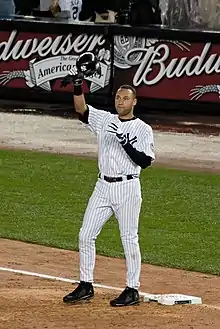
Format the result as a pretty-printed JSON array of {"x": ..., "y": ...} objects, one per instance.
[
  {"x": 78, "y": 96},
  {"x": 87, "y": 113}
]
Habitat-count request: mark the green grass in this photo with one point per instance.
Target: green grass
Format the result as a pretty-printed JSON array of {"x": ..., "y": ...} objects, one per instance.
[{"x": 43, "y": 198}]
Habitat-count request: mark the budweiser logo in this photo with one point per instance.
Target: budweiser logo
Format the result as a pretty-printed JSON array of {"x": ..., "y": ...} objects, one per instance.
[
  {"x": 61, "y": 45},
  {"x": 153, "y": 64},
  {"x": 58, "y": 61},
  {"x": 51, "y": 57}
]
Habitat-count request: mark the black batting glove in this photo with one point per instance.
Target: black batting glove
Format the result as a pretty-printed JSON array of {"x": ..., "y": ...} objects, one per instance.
[{"x": 74, "y": 77}]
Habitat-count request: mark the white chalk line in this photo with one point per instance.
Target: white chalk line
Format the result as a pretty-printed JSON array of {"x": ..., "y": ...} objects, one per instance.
[{"x": 56, "y": 278}]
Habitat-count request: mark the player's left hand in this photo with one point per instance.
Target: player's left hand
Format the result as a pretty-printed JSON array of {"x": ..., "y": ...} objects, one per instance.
[
  {"x": 122, "y": 138},
  {"x": 74, "y": 77}
]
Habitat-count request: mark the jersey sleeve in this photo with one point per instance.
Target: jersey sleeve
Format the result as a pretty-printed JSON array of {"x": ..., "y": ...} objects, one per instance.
[
  {"x": 95, "y": 118},
  {"x": 145, "y": 142}
]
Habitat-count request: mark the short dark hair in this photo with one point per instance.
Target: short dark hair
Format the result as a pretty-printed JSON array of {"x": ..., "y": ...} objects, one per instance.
[{"x": 129, "y": 87}]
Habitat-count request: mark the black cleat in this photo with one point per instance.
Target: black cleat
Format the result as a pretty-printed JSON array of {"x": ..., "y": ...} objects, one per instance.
[
  {"x": 129, "y": 296},
  {"x": 83, "y": 292}
]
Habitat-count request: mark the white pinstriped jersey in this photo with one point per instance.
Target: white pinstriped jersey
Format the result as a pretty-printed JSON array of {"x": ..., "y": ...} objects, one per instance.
[
  {"x": 73, "y": 6},
  {"x": 112, "y": 158}
]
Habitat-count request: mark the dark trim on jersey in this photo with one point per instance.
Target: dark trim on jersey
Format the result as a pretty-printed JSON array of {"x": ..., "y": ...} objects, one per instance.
[
  {"x": 84, "y": 117},
  {"x": 125, "y": 120},
  {"x": 140, "y": 158}
]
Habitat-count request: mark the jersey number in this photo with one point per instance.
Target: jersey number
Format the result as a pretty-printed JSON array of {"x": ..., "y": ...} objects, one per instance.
[{"x": 74, "y": 12}]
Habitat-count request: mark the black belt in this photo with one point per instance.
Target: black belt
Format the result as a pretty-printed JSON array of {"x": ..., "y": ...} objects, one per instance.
[{"x": 117, "y": 179}]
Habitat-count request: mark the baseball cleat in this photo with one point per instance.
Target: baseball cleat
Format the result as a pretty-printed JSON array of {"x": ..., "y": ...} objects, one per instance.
[
  {"x": 83, "y": 292},
  {"x": 129, "y": 296}
]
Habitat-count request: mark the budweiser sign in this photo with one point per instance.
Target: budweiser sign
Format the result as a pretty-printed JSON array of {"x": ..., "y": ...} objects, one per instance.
[
  {"x": 175, "y": 68},
  {"x": 168, "y": 69},
  {"x": 60, "y": 45},
  {"x": 157, "y": 68},
  {"x": 49, "y": 58}
]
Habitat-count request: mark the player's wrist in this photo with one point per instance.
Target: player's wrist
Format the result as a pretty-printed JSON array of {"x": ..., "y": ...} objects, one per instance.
[
  {"x": 77, "y": 89},
  {"x": 78, "y": 84}
]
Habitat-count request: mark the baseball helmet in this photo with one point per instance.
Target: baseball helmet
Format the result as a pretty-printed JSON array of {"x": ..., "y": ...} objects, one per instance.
[{"x": 88, "y": 64}]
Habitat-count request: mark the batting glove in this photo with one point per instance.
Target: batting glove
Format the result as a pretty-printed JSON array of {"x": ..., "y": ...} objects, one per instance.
[
  {"x": 122, "y": 138},
  {"x": 74, "y": 77}
]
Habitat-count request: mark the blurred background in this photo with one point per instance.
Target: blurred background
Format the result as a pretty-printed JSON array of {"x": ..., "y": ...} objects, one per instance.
[{"x": 199, "y": 14}]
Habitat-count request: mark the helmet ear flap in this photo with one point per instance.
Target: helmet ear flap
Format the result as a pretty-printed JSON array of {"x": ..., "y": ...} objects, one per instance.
[{"x": 88, "y": 64}]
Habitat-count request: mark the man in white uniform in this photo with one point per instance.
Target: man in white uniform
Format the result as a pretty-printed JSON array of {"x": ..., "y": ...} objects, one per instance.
[
  {"x": 126, "y": 146},
  {"x": 70, "y": 9}
]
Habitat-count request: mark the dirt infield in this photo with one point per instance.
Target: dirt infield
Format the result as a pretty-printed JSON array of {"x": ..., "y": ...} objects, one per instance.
[
  {"x": 59, "y": 135},
  {"x": 30, "y": 302}
]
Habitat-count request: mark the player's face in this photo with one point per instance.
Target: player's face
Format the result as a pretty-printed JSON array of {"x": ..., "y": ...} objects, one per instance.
[{"x": 125, "y": 102}]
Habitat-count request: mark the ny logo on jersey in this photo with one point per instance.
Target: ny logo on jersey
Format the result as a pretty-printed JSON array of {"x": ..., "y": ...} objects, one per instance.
[{"x": 122, "y": 138}]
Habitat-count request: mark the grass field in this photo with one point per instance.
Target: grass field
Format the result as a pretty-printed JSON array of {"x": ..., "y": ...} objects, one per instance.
[{"x": 43, "y": 198}]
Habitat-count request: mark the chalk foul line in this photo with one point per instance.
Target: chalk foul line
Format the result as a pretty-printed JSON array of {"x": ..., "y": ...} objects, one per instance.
[{"x": 56, "y": 278}]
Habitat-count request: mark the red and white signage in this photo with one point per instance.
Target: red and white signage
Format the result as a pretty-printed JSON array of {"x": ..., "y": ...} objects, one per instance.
[{"x": 161, "y": 69}]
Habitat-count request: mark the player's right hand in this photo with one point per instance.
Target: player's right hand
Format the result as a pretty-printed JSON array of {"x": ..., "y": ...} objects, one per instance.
[{"x": 74, "y": 77}]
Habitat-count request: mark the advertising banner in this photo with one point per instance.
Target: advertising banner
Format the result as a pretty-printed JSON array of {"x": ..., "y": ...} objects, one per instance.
[
  {"x": 39, "y": 61},
  {"x": 164, "y": 69},
  {"x": 158, "y": 69}
]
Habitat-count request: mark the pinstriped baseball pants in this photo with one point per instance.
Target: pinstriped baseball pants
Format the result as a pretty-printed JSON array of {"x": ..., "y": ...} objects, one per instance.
[{"x": 124, "y": 200}]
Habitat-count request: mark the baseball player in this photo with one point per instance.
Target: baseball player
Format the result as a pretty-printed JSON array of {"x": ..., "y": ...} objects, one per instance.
[
  {"x": 68, "y": 8},
  {"x": 125, "y": 146}
]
